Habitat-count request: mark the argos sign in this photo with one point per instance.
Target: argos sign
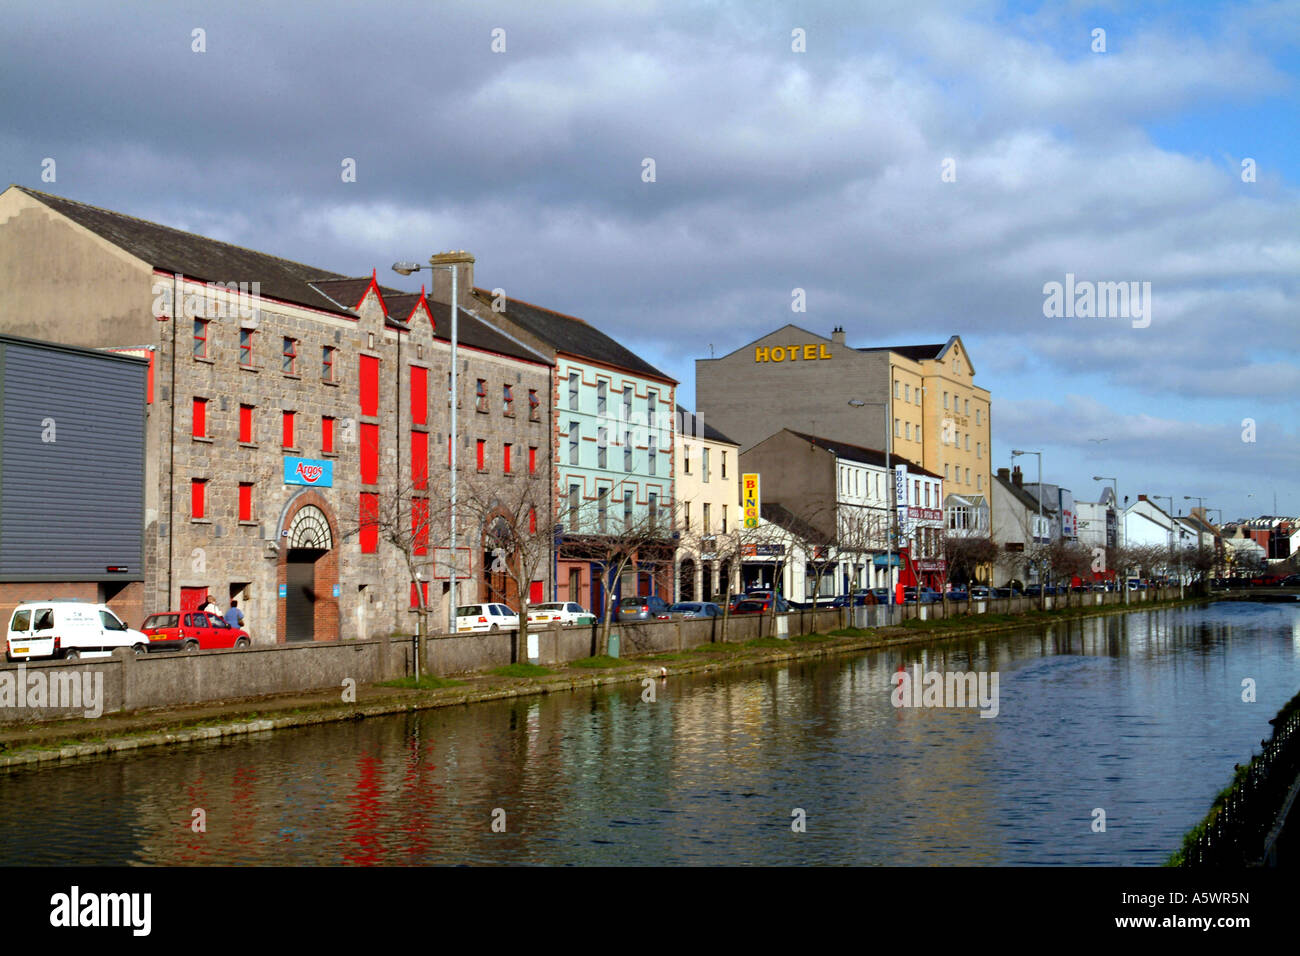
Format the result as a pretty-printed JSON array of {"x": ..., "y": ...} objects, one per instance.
[{"x": 308, "y": 471}]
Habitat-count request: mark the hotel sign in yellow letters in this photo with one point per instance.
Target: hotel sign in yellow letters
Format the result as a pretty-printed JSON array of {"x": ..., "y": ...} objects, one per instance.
[
  {"x": 791, "y": 353},
  {"x": 749, "y": 499}
]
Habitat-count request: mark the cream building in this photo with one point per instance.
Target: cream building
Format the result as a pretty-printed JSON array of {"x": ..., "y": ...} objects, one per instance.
[{"x": 708, "y": 496}]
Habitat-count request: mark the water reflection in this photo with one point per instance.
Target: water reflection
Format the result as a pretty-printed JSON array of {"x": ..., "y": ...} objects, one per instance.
[{"x": 1139, "y": 715}]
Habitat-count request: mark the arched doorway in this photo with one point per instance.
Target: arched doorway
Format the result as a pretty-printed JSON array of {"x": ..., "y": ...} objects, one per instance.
[
  {"x": 498, "y": 558},
  {"x": 686, "y": 579},
  {"x": 308, "y": 607}
]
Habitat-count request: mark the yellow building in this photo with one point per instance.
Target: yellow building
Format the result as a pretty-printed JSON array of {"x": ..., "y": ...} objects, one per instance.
[{"x": 708, "y": 507}]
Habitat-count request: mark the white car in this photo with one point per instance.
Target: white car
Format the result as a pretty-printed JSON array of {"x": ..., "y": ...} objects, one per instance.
[
  {"x": 560, "y": 612},
  {"x": 485, "y": 617},
  {"x": 68, "y": 629}
]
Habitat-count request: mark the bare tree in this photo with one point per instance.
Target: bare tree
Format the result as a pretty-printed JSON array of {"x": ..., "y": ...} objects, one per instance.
[
  {"x": 512, "y": 516},
  {"x": 964, "y": 554}
]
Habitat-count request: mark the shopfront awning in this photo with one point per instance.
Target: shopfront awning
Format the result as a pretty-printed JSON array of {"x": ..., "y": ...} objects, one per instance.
[{"x": 880, "y": 561}]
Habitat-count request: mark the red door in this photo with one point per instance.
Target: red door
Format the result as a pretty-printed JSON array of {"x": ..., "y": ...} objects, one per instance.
[
  {"x": 535, "y": 595},
  {"x": 193, "y": 598}
]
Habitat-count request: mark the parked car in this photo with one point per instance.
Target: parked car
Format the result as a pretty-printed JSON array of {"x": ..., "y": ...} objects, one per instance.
[
  {"x": 980, "y": 593},
  {"x": 694, "y": 609},
  {"x": 485, "y": 617},
  {"x": 1291, "y": 581},
  {"x": 68, "y": 629},
  {"x": 883, "y": 595},
  {"x": 1007, "y": 592},
  {"x": 958, "y": 594},
  {"x": 761, "y": 605},
  {"x": 191, "y": 631},
  {"x": 927, "y": 595},
  {"x": 647, "y": 607},
  {"x": 560, "y": 612}
]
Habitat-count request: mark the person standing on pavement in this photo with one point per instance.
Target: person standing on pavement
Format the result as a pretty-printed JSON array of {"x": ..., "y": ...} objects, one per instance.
[{"x": 235, "y": 617}]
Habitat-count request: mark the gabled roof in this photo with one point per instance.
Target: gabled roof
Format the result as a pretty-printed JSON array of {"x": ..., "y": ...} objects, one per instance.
[
  {"x": 1025, "y": 498},
  {"x": 915, "y": 352},
  {"x": 868, "y": 456},
  {"x": 198, "y": 257},
  {"x": 479, "y": 334},
  {"x": 689, "y": 426},
  {"x": 572, "y": 336},
  {"x": 780, "y": 515}
]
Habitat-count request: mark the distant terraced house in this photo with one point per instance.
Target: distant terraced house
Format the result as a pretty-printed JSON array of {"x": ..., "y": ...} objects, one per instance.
[{"x": 289, "y": 407}]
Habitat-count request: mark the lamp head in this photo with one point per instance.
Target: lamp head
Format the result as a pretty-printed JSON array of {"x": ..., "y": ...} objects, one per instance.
[
  {"x": 406, "y": 268},
  {"x": 857, "y": 403}
]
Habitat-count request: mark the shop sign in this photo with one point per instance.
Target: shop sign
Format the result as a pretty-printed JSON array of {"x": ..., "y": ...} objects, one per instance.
[
  {"x": 762, "y": 550},
  {"x": 814, "y": 352},
  {"x": 309, "y": 472},
  {"x": 750, "y": 500}
]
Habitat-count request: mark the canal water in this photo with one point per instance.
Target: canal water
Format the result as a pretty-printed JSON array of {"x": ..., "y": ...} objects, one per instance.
[{"x": 1138, "y": 716}]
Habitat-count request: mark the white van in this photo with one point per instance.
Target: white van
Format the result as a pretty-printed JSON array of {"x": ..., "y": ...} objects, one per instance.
[{"x": 68, "y": 629}]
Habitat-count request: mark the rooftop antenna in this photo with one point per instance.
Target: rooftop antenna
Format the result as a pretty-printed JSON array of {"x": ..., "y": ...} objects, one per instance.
[{"x": 710, "y": 350}]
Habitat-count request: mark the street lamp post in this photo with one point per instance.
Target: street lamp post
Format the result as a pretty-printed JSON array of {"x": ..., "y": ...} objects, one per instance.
[
  {"x": 889, "y": 485},
  {"x": 1171, "y": 539},
  {"x": 1114, "y": 486},
  {"x": 1016, "y": 453},
  {"x": 449, "y": 261}
]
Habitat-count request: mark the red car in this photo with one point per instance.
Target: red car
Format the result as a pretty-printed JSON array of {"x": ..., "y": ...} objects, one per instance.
[{"x": 191, "y": 631}]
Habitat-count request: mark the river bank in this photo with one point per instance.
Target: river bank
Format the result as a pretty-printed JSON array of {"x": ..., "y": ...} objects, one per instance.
[{"x": 48, "y": 743}]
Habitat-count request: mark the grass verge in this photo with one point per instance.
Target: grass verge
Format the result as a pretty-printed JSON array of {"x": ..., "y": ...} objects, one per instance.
[
  {"x": 601, "y": 660},
  {"x": 521, "y": 670},
  {"x": 426, "y": 682}
]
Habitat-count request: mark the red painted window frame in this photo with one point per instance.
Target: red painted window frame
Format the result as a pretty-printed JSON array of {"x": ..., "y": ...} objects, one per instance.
[
  {"x": 532, "y": 459},
  {"x": 290, "y": 356},
  {"x": 369, "y": 381},
  {"x": 369, "y": 453},
  {"x": 326, "y": 434},
  {"x": 480, "y": 452},
  {"x": 245, "y": 501},
  {"x": 246, "y": 350},
  {"x": 420, "y": 460},
  {"x": 505, "y": 458},
  {"x": 424, "y": 586},
  {"x": 368, "y": 512},
  {"x": 327, "y": 363},
  {"x": 419, "y": 395},
  {"x": 198, "y": 497},
  {"x": 420, "y": 525},
  {"x": 200, "y": 326},
  {"x": 286, "y": 437},
  {"x": 246, "y": 424},
  {"x": 200, "y": 418}
]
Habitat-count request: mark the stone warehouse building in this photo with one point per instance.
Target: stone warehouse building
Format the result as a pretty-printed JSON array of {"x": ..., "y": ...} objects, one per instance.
[{"x": 294, "y": 413}]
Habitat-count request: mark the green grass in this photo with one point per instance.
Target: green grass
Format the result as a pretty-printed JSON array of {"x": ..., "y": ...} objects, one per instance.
[
  {"x": 850, "y": 632},
  {"x": 811, "y": 638},
  {"x": 521, "y": 670},
  {"x": 768, "y": 642},
  {"x": 426, "y": 682},
  {"x": 601, "y": 660}
]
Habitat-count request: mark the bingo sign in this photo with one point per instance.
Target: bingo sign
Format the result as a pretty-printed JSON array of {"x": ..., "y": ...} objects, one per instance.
[
  {"x": 309, "y": 471},
  {"x": 749, "y": 499}
]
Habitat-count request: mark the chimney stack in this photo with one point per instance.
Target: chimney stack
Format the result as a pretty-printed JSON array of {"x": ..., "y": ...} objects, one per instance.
[
  {"x": 1017, "y": 478},
  {"x": 463, "y": 263},
  {"x": 1004, "y": 474},
  {"x": 837, "y": 335},
  {"x": 1142, "y": 497}
]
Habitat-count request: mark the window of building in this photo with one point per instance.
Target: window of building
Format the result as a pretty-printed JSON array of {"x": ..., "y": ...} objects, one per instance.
[
  {"x": 287, "y": 436},
  {"x": 967, "y": 406},
  {"x": 326, "y": 434},
  {"x": 708, "y": 525},
  {"x": 600, "y": 397},
  {"x": 200, "y": 338},
  {"x": 532, "y": 521},
  {"x": 534, "y": 406},
  {"x": 651, "y": 407},
  {"x": 368, "y": 379},
  {"x": 480, "y": 453},
  {"x": 423, "y": 592},
  {"x": 916, "y": 492},
  {"x": 420, "y": 460},
  {"x": 908, "y": 426},
  {"x": 704, "y": 465},
  {"x": 602, "y": 501},
  {"x": 898, "y": 432},
  {"x": 574, "y": 438},
  {"x": 480, "y": 396},
  {"x": 289, "y": 364},
  {"x": 907, "y": 393},
  {"x": 896, "y": 388},
  {"x": 947, "y": 472},
  {"x": 979, "y": 482},
  {"x": 627, "y": 403},
  {"x": 979, "y": 449},
  {"x": 686, "y": 459},
  {"x": 967, "y": 476},
  {"x": 945, "y": 401},
  {"x": 505, "y": 458},
  {"x": 198, "y": 497},
  {"x": 653, "y": 508},
  {"x": 507, "y": 401},
  {"x": 977, "y": 415},
  {"x": 246, "y": 424},
  {"x": 575, "y": 504},
  {"x": 927, "y": 494},
  {"x": 686, "y": 516},
  {"x": 245, "y": 501},
  {"x": 724, "y": 466},
  {"x": 653, "y": 456},
  {"x": 627, "y": 509},
  {"x": 419, "y": 395},
  {"x": 200, "y": 418},
  {"x": 327, "y": 363},
  {"x": 724, "y": 519},
  {"x": 368, "y": 511},
  {"x": 246, "y": 347},
  {"x": 532, "y": 459},
  {"x": 968, "y": 441},
  {"x": 602, "y": 437},
  {"x": 369, "y": 454},
  {"x": 627, "y": 451},
  {"x": 573, "y": 391}
]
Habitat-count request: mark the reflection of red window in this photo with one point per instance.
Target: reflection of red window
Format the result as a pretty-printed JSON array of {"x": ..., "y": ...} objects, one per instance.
[
  {"x": 420, "y": 525},
  {"x": 505, "y": 458},
  {"x": 480, "y": 448},
  {"x": 369, "y": 521},
  {"x": 369, "y": 385},
  {"x": 198, "y": 487},
  {"x": 419, "y": 395},
  {"x": 245, "y": 501},
  {"x": 369, "y": 454},
  {"x": 420, "y": 459},
  {"x": 326, "y": 434},
  {"x": 532, "y": 460},
  {"x": 532, "y": 520},
  {"x": 246, "y": 423}
]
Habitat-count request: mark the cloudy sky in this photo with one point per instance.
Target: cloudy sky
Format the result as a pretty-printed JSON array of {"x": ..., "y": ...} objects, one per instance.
[{"x": 1169, "y": 157}]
